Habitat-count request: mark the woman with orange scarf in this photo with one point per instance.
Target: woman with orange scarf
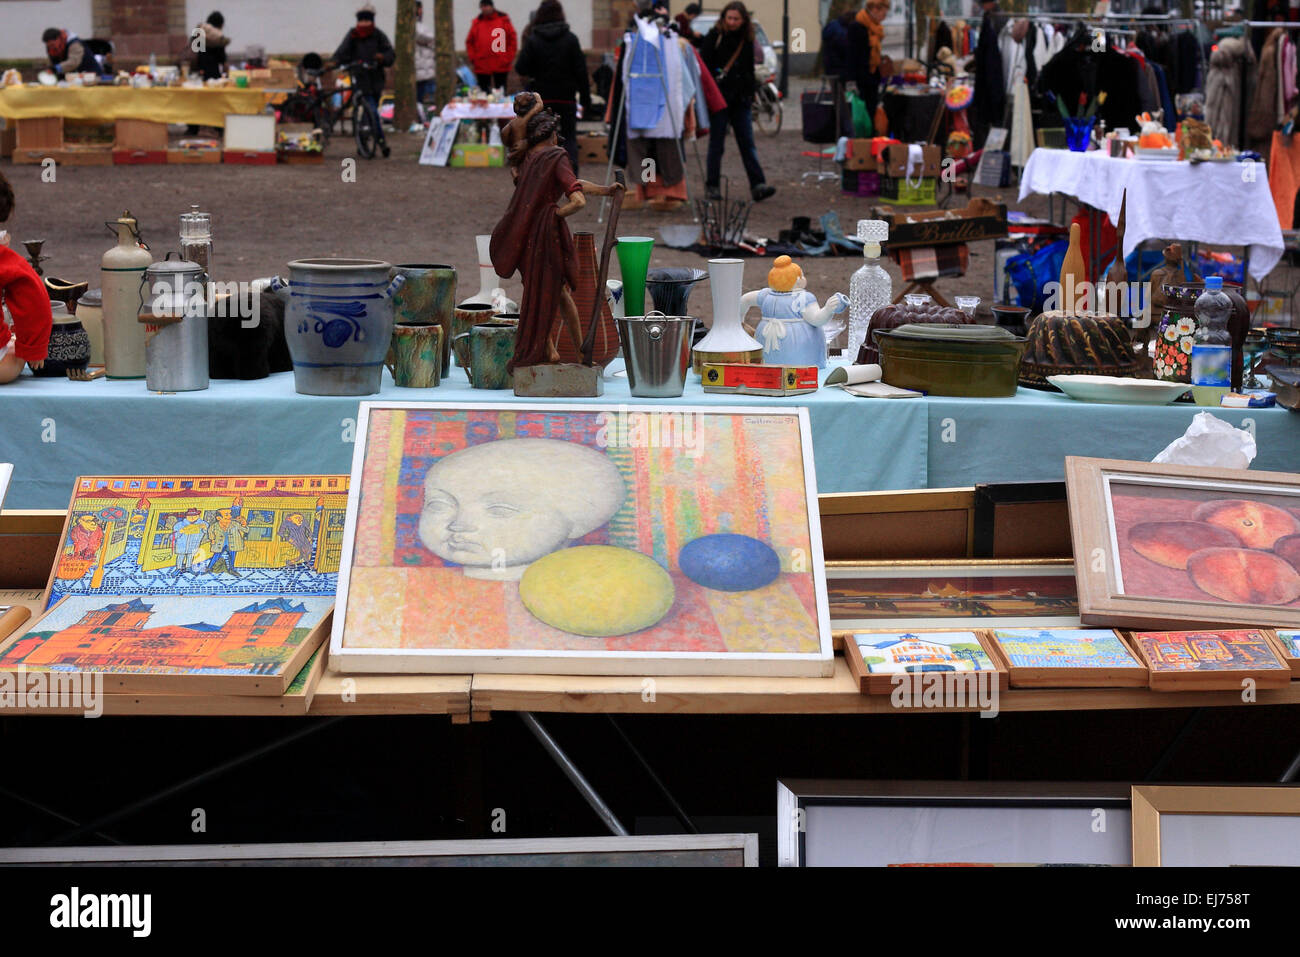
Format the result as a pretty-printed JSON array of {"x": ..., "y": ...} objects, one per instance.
[{"x": 866, "y": 38}]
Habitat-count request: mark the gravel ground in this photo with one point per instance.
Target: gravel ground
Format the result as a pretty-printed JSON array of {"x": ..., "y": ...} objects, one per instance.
[{"x": 399, "y": 211}]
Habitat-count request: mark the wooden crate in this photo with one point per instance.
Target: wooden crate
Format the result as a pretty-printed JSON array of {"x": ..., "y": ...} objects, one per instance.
[
  {"x": 39, "y": 133},
  {"x": 941, "y": 227},
  {"x": 301, "y": 158},
  {"x": 68, "y": 156},
  {"x": 138, "y": 157},
  {"x": 249, "y": 157},
  {"x": 140, "y": 135},
  {"x": 8, "y": 137},
  {"x": 193, "y": 157}
]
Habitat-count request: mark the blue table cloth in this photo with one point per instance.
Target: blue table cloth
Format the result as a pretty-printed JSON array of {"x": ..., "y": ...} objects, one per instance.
[{"x": 53, "y": 430}]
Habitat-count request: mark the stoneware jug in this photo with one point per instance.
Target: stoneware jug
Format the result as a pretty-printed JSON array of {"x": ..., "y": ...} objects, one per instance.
[
  {"x": 338, "y": 323},
  {"x": 415, "y": 357},
  {"x": 69, "y": 347},
  {"x": 427, "y": 296}
]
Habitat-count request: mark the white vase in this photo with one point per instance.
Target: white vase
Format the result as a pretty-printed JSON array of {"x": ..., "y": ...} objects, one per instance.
[
  {"x": 488, "y": 280},
  {"x": 727, "y": 341}
]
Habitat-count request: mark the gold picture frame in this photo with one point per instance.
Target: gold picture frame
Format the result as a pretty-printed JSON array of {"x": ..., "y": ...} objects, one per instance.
[
  {"x": 1160, "y": 546},
  {"x": 1151, "y": 803}
]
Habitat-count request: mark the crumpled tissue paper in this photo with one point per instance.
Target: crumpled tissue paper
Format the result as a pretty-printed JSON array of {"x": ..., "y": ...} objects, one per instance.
[{"x": 1210, "y": 441}]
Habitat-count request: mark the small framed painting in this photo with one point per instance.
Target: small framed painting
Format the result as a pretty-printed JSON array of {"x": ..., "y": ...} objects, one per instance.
[
  {"x": 1174, "y": 546},
  {"x": 248, "y": 645},
  {"x": 1210, "y": 660},
  {"x": 1224, "y": 826},
  {"x": 1067, "y": 658},
  {"x": 878, "y": 659},
  {"x": 580, "y": 539},
  {"x": 939, "y": 594},
  {"x": 1288, "y": 643}
]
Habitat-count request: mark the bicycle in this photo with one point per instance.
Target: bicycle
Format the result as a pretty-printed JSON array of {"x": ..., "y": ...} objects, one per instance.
[
  {"x": 312, "y": 103},
  {"x": 767, "y": 105},
  {"x": 367, "y": 126}
]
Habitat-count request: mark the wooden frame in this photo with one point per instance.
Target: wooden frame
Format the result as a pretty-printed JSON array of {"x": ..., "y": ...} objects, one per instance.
[
  {"x": 1151, "y": 802},
  {"x": 1145, "y": 645},
  {"x": 859, "y": 608},
  {"x": 870, "y": 682},
  {"x": 12, "y": 618},
  {"x": 736, "y": 850},
  {"x": 1055, "y": 676},
  {"x": 1100, "y": 560},
  {"x": 799, "y": 800},
  {"x": 374, "y": 656},
  {"x": 1288, "y": 645},
  {"x": 1011, "y": 519},
  {"x": 180, "y": 681}
]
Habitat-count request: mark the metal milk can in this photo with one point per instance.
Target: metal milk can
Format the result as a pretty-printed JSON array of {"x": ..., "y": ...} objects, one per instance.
[{"x": 174, "y": 313}]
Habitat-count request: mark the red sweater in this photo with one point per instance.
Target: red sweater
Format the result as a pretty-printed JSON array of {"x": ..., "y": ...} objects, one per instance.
[{"x": 24, "y": 293}]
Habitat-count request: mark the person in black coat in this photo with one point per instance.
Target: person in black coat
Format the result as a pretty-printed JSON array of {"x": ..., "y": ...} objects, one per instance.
[
  {"x": 552, "y": 58},
  {"x": 366, "y": 45},
  {"x": 990, "y": 100},
  {"x": 728, "y": 52}
]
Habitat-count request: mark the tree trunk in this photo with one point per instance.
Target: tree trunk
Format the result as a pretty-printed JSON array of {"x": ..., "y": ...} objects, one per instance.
[
  {"x": 404, "y": 68},
  {"x": 444, "y": 38}
]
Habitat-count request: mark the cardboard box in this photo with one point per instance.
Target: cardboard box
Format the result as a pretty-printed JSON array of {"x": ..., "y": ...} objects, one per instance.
[
  {"x": 899, "y": 192},
  {"x": 139, "y": 135},
  {"x": 743, "y": 379},
  {"x": 249, "y": 157},
  {"x": 859, "y": 157},
  {"x": 192, "y": 157},
  {"x": 477, "y": 155},
  {"x": 896, "y": 160},
  {"x": 593, "y": 148},
  {"x": 138, "y": 157}
]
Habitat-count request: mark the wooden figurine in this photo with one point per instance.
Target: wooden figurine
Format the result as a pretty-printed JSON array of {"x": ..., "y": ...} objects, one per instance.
[
  {"x": 1074, "y": 274},
  {"x": 533, "y": 239},
  {"x": 1117, "y": 275},
  {"x": 514, "y": 135},
  {"x": 1169, "y": 272}
]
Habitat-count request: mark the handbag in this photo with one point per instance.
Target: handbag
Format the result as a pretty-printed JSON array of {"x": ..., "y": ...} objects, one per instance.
[
  {"x": 818, "y": 111},
  {"x": 720, "y": 75}
]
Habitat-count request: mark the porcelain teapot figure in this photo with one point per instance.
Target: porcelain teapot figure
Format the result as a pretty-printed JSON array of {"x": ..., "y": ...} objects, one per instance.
[{"x": 790, "y": 327}]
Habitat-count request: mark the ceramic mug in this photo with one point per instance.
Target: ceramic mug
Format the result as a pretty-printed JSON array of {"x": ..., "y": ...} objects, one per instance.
[
  {"x": 415, "y": 356},
  {"x": 491, "y": 347},
  {"x": 467, "y": 316},
  {"x": 427, "y": 296}
]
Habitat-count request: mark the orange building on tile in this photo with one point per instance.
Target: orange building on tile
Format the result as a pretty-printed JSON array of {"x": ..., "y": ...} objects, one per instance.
[{"x": 116, "y": 636}]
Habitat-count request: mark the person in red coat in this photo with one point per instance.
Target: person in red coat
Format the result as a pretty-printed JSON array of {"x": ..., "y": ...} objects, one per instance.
[
  {"x": 491, "y": 46},
  {"x": 23, "y": 293}
]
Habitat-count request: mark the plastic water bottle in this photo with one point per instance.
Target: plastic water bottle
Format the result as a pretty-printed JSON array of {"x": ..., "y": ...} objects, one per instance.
[
  {"x": 870, "y": 288},
  {"x": 1212, "y": 349},
  {"x": 153, "y": 65}
]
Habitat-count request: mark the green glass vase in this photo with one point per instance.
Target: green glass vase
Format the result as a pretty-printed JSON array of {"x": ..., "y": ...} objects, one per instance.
[{"x": 633, "y": 263}]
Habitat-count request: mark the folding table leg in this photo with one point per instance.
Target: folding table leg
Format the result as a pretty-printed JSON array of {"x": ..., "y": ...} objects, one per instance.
[{"x": 571, "y": 772}]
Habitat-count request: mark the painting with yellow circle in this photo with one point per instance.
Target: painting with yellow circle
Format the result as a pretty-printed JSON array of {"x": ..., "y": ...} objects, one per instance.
[{"x": 576, "y": 539}]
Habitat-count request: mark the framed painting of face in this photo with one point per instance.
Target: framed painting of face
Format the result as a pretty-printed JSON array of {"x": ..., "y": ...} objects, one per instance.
[
  {"x": 578, "y": 539},
  {"x": 1171, "y": 546}
]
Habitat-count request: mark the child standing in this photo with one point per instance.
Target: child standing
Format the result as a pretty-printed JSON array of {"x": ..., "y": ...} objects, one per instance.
[{"x": 22, "y": 291}]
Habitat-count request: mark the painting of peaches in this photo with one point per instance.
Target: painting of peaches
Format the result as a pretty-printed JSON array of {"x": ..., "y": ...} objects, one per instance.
[
  {"x": 1206, "y": 544},
  {"x": 563, "y": 539}
]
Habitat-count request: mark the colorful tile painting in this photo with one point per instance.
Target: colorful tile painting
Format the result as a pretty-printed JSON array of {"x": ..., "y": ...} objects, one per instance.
[
  {"x": 263, "y": 639},
  {"x": 202, "y": 535},
  {"x": 1290, "y": 642},
  {"x": 1197, "y": 651},
  {"x": 1064, "y": 648},
  {"x": 571, "y": 539},
  {"x": 916, "y": 653},
  {"x": 1207, "y": 543}
]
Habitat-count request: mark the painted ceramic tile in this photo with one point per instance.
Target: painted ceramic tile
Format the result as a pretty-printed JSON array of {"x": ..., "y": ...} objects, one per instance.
[
  {"x": 1206, "y": 544},
  {"x": 202, "y": 535},
  {"x": 224, "y": 636},
  {"x": 1291, "y": 642},
  {"x": 1064, "y": 648},
  {"x": 1199, "y": 651},
  {"x": 910, "y": 653},
  {"x": 576, "y": 533}
]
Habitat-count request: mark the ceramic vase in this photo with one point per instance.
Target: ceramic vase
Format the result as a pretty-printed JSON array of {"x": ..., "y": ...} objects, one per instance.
[
  {"x": 584, "y": 297},
  {"x": 466, "y": 317},
  {"x": 415, "y": 356},
  {"x": 487, "y": 276},
  {"x": 633, "y": 261},
  {"x": 670, "y": 288},
  {"x": 1073, "y": 273},
  {"x": 727, "y": 341},
  {"x": 427, "y": 296},
  {"x": 338, "y": 323},
  {"x": 69, "y": 347}
]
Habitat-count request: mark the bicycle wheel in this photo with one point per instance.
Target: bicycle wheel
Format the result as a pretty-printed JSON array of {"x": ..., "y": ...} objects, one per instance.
[
  {"x": 767, "y": 113},
  {"x": 323, "y": 120},
  {"x": 365, "y": 123}
]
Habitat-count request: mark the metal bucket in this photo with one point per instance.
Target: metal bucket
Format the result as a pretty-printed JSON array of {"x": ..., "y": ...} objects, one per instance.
[
  {"x": 173, "y": 309},
  {"x": 657, "y": 352}
]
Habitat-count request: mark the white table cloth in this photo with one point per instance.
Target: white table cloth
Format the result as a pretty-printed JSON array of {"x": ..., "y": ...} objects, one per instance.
[
  {"x": 1222, "y": 204},
  {"x": 488, "y": 111}
]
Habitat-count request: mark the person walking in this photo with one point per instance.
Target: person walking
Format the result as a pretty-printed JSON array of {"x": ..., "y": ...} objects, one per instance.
[
  {"x": 866, "y": 37},
  {"x": 491, "y": 46},
  {"x": 552, "y": 58},
  {"x": 369, "y": 50},
  {"x": 728, "y": 52},
  {"x": 426, "y": 61}
]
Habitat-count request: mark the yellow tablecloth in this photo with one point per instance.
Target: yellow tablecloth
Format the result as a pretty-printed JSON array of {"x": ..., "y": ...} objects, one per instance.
[{"x": 206, "y": 107}]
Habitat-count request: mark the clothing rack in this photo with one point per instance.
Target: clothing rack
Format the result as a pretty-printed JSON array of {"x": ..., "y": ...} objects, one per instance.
[{"x": 1247, "y": 26}]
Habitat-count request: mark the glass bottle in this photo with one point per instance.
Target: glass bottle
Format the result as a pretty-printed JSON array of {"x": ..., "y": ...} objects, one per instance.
[
  {"x": 1212, "y": 348},
  {"x": 870, "y": 287},
  {"x": 196, "y": 238}
]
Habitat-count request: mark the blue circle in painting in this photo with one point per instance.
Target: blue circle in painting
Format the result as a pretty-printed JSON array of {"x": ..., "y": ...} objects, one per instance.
[{"x": 729, "y": 562}]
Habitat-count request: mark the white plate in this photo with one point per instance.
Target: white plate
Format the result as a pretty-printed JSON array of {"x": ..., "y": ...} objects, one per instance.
[{"x": 1105, "y": 388}]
